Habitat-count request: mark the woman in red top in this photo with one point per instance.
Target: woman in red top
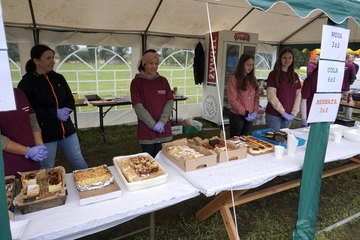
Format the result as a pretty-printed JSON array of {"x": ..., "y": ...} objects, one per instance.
[
  {"x": 283, "y": 92},
  {"x": 243, "y": 96},
  {"x": 152, "y": 101}
]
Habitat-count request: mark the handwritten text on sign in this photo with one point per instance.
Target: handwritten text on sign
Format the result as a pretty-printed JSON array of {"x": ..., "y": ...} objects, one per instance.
[
  {"x": 324, "y": 107},
  {"x": 330, "y": 76},
  {"x": 334, "y": 42}
]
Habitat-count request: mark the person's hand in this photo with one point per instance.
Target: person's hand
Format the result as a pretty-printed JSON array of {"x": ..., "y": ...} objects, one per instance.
[
  {"x": 37, "y": 153},
  {"x": 304, "y": 123},
  {"x": 249, "y": 118},
  {"x": 253, "y": 115},
  {"x": 288, "y": 117},
  {"x": 159, "y": 127},
  {"x": 63, "y": 114}
]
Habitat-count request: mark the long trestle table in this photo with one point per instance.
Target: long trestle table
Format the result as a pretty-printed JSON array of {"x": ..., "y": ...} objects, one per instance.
[
  {"x": 72, "y": 221},
  {"x": 254, "y": 171}
]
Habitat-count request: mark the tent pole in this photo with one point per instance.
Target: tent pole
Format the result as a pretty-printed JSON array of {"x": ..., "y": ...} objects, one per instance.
[
  {"x": 310, "y": 186},
  {"x": 143, "y": 42},
  {"x": 4, "y": 216},
  {"x": 35, "y": 29}
]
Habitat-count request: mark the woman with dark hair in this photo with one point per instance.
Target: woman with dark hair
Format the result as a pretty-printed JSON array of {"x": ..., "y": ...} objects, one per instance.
[
  {"x": 283, "y": 92},
  {"x": 51, "y": 98},
  {"x": 243, "y": 96},
  {"x": 152, "y": 101}
]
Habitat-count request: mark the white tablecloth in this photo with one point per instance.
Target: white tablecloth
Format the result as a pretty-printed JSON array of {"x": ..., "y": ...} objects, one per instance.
[
  {"x": 254, "y": 171},
  {"x": 72, "y": 220}
]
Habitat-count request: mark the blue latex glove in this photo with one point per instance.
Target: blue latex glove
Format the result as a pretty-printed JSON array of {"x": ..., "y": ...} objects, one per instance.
[
  {"x": 288, "y": 117},
  {"x": 37, "y": 153},
  {"x": 63, "y": 114},
  {"x": 159, "y": 127},
  {"x": 304, "y": 123}
]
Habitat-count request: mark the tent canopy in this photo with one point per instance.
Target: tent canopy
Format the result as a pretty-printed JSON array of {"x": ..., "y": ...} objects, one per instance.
[{"x": 274, "y": 21}]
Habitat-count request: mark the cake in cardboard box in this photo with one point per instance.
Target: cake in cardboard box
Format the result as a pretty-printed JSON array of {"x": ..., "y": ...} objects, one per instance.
[
  {"x": 257, "y": 146},
  {"x": 93, "y": 178},
  {"x": 236, "y": 149},
  {"x": 189, "y": 156},
  {"x": 9, "y": 189},
  {"x": 41, "y": 189},
  {"x": 96, "y": 184}
]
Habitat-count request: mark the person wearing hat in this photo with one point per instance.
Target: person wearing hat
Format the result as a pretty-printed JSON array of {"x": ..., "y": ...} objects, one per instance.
[{"x": 152, "y": 100}]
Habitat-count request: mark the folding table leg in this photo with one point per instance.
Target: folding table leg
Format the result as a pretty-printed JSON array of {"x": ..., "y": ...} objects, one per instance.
[{"x": 229, "y": 222}]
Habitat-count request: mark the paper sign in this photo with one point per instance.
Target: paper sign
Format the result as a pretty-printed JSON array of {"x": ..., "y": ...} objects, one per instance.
[
  {"x": 7, "y": 100},
  {"x": 3, "y": 45},
  {"x": 330, "y": 76},
  {"x": 324, "y": 107},
  {"x": 334, "y": 43}
]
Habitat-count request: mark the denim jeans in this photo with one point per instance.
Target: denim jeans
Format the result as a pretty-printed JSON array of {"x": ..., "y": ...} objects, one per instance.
[
  {"x": 151, "y": 149},
  {"x": 276, "y": 122},
  {"x": 347, "y": 110},
  {"x": 70, "y": 147}
]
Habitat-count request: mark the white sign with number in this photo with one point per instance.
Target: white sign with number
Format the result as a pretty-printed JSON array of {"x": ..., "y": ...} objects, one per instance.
[
  {"x": 330, "y": 76},
  {"x": 334, "y": 43},
  {"x": 324, "y": 107}
]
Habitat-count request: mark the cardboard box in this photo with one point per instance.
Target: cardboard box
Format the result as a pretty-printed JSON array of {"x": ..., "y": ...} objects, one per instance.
[
  {"x": 97, "y": 191},
  {"x": 176, "y": 130},
  {"x": 54, "y": 200},
  {"x": 189, "y": 164},
  {"x": 234, "y": 154},
  {"x": 101, "y": 194}
]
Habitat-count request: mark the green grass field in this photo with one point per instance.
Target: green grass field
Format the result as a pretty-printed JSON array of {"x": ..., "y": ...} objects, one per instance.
[{"x": 114, "y": 80}]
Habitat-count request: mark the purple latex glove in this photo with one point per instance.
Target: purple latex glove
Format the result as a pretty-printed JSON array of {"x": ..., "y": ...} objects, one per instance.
[
  {"x": 253, "y": 115},
  {"x": 63, "y": 114},
  {"x": 37, "y": 153},
  {"x": 249, "y": 118},
  {"x": 304, "y": 123},
  {"x": 288, "y": 117},
  {"x": 159, "y": 127}
]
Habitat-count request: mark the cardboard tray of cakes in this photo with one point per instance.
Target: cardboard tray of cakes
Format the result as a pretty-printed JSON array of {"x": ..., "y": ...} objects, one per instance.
[
  {"x": 188, "y": 156},
  {"x": 139, "y": 171},
  {"x": 96, "y": 184},
  {"x": 236, "y": 149},
  {"x": 10, "y": 189},
  {"x": 41, "y": 189},
  {"x": 256, "y": 146}
]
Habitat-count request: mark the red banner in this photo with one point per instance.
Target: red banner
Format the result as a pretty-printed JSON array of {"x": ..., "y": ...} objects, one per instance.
[{"x": 211, "y": 73}]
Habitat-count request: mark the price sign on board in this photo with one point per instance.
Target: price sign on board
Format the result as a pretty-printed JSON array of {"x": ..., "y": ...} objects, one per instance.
[
  {"x": 324, "y": 107},
  {"x": 334, "y": 42},
  {"x": 331, "y": 75}
]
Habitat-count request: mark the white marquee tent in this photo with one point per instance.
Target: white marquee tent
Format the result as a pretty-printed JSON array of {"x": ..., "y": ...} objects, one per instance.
[{"x": 159, "y": 23}]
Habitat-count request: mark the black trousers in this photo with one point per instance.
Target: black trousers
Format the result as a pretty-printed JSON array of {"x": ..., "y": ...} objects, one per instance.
[
  {"x": 238, "y": 125},
  {"x": 151, "y": 149}
]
